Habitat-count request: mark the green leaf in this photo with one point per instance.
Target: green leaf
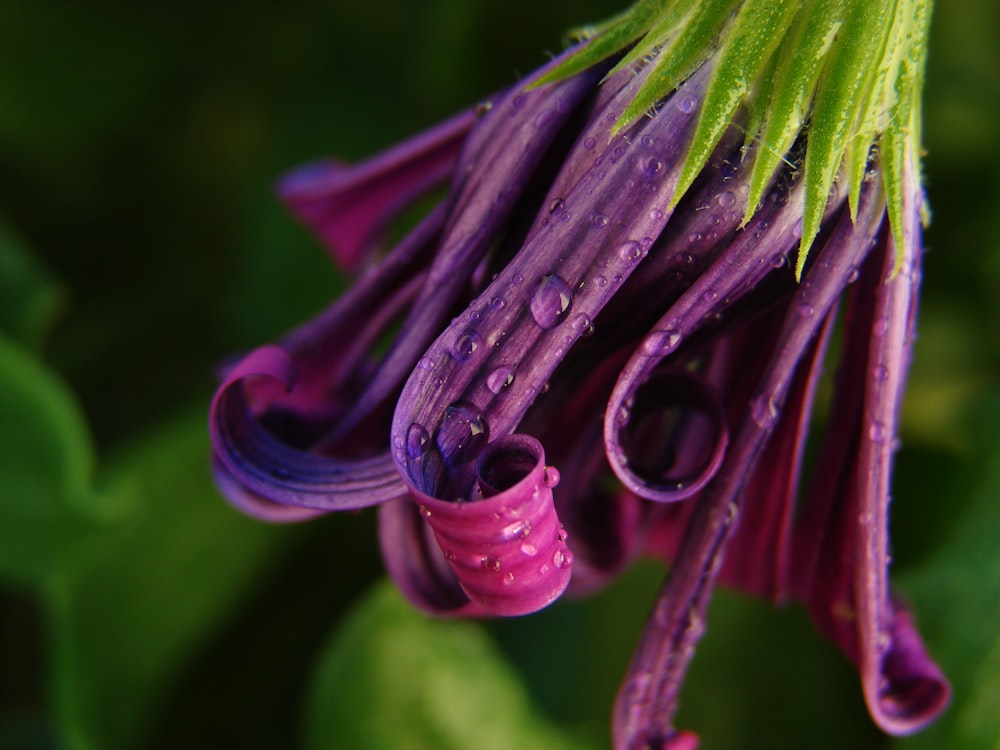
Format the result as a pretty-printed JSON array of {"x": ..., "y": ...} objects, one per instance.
[
  {"x": 128, "y": 615},
  {"x": 957, "y": 596},
  {"x": 394, "y": 679},
  {"x": 29, "y": 298},
  {"x": 46, "y": 466}
]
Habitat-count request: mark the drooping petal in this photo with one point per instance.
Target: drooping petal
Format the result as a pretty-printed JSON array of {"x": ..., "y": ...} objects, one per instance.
[
  {"x": 272, "y": 470},
  {"x": 350, "y": 206},
  {"x": 648, "y": 699}
]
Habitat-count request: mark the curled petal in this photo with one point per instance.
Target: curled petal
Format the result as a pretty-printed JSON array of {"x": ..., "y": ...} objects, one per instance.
[
  {"x": 270, "y": 469},
  {"x": 669, "y": 443},
  {"x": 347, "y": 206},
  {"x": 416, "y": 564},
  {"x": 258, "y": 506},
  {"x": 507, "y": 549}
]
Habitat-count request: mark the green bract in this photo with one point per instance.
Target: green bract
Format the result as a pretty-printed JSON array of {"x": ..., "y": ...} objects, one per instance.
[{"x": 847, "y": 72}]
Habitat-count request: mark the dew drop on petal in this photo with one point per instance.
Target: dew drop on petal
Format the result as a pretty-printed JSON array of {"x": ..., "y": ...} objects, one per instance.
[
  {"x": 599, "y": 221},
  {"x": 661, "y": 342},
  {"x": 725, "y": 198},
  {"x": 877, "y": 433},
  {"x": 562, "y": 558},
  {"x": 508, "y": 577},
  {"x": 583, "y": 325},
  {"x": 528, "y": 549},
  {"x": 806, "y": 310},
  {"x": 881, "y": 373},
  {"x": 417, "y": 440},
  {"x": 655, "y": 214},
  {"x": 551, "y": 476},
  {"x": 764, "y": 411},
  {"x": 517, "y": 279},
  {"x": 551, "y": 301},
  {"x": 630, "y": 251},
  {"x": 491, "y": 564},
  {"x": 463, "y": 433},
  {"x": 466, "y": 345},
  {"x": 498, "y": 303},
  {"x": 500, "y": 379},
  {"x": 686, "y": 103}
]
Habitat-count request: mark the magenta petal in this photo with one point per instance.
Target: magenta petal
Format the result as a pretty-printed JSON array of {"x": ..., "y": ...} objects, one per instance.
[
  {"x": 416, "y": 564},
  {"x": 508, "y": 550},
  {"x": 348, "y": 206}
]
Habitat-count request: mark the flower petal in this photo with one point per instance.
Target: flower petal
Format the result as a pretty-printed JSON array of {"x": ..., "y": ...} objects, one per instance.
[{"x": 348, "y": 206}]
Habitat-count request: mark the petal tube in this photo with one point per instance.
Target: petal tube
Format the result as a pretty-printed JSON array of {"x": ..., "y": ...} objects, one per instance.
[{"x": 507, "y": 549}]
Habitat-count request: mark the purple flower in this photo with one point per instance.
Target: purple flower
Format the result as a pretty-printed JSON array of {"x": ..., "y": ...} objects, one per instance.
[{"x": 555, "y": 309}]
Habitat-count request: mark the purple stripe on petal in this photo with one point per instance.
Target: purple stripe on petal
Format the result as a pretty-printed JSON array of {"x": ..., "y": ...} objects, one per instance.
[
  {"x": 507, "y": 548},
  {"x": 268, "y": 468},
  {"x": 349, "y": 206}
]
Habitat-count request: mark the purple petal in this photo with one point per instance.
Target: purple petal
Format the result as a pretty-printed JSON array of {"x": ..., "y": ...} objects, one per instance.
[
  {"x": 270, "y": 469},
  {"x": 349, "y": 206}
]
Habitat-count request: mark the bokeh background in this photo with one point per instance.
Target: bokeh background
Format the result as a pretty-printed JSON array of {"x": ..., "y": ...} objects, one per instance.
[{"x": 140, "y": 244}]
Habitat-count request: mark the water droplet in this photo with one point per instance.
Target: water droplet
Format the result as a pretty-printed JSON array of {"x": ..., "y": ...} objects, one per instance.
[
  {"x": 853, "y": 275},
  {"x": 425, "y": 511},
  {"x": 881, "y": 327},
  {"x": 417, "y": 439},
  {"x": 589, "y": 143},
  {"x": 562, "y": 558},
  {"x": 806, "y": 310},
  {"x": 601, "y": 281},
  {"x": 517, "y": 530},
  {"x": 647, "y": 141},
  {"x": 449, "y": 555},
  {"x": 556, "y": 204},
  {"x": 491, "y": 564},
  {"x": 463, "y": 433},
  {"x": 878, "y": 433},
  {"x": 661, "y": 342},
  {"x": 500, "y": 379},
  {"x": 710, "y": 295},
  {"x": 508, "y": 577},
  {"x": 529, "y": 549},
  {"x": 881, "y": 373},
  {"x": 779, "y": 260},
  {"x": 599, "y": 221},
  {"x": 655, "y": 214},
  {"x": 764, "y": 411},
  {"x": 652, "y": 165},
  {"x": 466, "y": 345},
  {"x": 544, "y": 117},
  {"x": 551, "y": 301},
  {"x": 518, "y": 101},
  {"x": 565, "y": 216},
  {"x": 685, "y": 259},
  {"x": 426, "y": 363},
  {"x": 583, "y": 325},
  {"x": 685, "y": 103},
  {"x": 517, "y": 279},
  {"x": 725, "y": 198},
  {"x": 630, "y": 251},
  {"x": 551, "y": 476},
  {"x": 498, "y": 303}
]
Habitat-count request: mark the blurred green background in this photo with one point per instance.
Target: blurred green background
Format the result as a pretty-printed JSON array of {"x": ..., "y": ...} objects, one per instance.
[{"x": 140, "y": 243}]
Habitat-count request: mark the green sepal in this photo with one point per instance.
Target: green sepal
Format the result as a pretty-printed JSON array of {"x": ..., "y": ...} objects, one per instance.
[
  {"x": 840, "y": 95},
  {"x": 748, "y": 45},
  {"x": 607, "y": 38},
  {"x": 788, "y": 92}
]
